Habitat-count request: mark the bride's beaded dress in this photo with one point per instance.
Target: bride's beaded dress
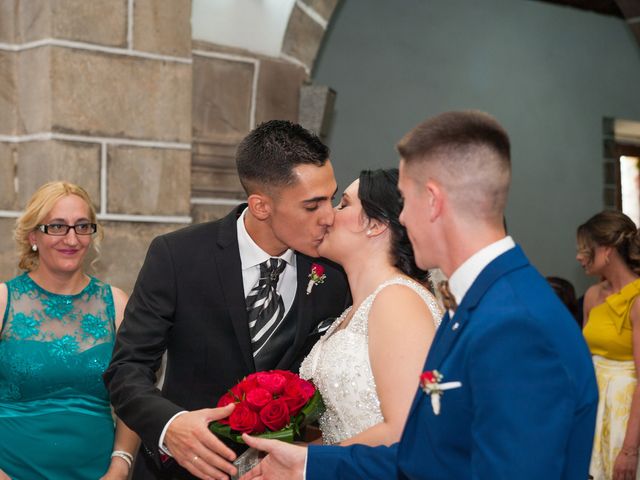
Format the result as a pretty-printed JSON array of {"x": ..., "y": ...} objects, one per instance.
[{"x": 339, "y": 367}]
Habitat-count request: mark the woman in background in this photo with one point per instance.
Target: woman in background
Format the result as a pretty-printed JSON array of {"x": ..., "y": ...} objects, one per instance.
[
  {"x": 56, "y": 337},
  {"x": 609, "y": 248}
]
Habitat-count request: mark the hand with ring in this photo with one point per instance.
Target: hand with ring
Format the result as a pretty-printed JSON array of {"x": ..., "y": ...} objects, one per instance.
[{"x": 195, "y": 448}]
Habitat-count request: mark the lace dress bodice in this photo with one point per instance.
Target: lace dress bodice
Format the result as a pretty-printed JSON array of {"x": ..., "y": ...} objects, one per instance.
[
  {"x": 55, "y": 417},
  {"x": 55, "y": 346},
  {"x": 339, "y": 366}
]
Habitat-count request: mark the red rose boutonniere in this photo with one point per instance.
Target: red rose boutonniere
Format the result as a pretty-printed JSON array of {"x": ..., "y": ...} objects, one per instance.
[
  {"x": 316, "y": 276},
  {"x": 430, "y": 381}
]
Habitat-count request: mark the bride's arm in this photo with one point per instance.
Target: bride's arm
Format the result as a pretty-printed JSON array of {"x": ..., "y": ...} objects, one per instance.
[{"x": 401, "y": 329}]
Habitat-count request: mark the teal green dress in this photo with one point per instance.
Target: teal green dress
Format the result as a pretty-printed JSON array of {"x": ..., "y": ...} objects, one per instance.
[{"x": 55, "y": 417}]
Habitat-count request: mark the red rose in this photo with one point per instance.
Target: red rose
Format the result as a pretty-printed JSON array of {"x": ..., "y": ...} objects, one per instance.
[
  {"x": 307, "y": 387},
  {"x": 226, "y": 399},
  {"x": 297, "y": 393},
  {"x": 273, "y": 382},
  {"x": 258, "y": 398},
  {"x": 427, "y": 377},
  {"x": 317, "y": 269},
  {"x": 275, "y": 414},
  {"x": 248, "y": 384},
  {"x": 286, "y": 374},
  {"x": 430, "y": 376},
  {"x": 245, "y": 420},
  {"x": 294, "y": 403}
]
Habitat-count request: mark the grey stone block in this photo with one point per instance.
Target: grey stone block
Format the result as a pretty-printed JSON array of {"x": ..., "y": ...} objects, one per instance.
[
  {"x": 278, "y": 91},
  {"x": 162, "y": 26},
  {"x": 148, "y": 181}
]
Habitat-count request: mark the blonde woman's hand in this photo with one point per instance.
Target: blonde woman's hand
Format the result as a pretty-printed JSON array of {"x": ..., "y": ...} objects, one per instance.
[
  {"x": 118, "y": 470},
  {"x": 4, "y": 476}
]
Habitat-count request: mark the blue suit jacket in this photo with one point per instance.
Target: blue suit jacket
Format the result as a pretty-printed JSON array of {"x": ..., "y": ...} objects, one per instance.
[{"x": 527, "y": 405}]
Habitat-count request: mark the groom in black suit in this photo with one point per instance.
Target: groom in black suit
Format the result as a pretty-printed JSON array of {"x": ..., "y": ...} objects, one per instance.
[{"x": 225, "y": 299}]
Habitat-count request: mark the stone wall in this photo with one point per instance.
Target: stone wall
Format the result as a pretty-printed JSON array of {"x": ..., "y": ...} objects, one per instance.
[
  {"x": 233, "y": 91},
  {"x": 115, "y": 96},
  {"x": 98, "y": 93}
]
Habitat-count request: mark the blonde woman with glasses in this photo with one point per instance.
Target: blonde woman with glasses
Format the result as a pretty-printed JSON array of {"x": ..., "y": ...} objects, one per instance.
[{"x": 57, "y": 331}]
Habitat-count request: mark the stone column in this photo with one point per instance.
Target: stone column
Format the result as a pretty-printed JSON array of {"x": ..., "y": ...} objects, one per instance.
[{"x": 98, "y": 93}]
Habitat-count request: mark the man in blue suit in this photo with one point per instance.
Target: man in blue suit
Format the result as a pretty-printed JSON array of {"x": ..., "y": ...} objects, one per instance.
[{"x": 509, "y": 390}]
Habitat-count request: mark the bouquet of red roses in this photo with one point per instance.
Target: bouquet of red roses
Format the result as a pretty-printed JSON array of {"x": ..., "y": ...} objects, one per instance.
[{"x": 273, "y": 404}]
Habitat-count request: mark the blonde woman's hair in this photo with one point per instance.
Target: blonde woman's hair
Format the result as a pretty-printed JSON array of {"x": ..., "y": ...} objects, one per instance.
[{"x": 35, "y": 212}]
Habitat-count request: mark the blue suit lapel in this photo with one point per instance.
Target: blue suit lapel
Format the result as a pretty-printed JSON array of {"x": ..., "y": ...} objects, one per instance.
[
  {"x": 503, "y": 264},
  {"x": 450, "y": 329}
]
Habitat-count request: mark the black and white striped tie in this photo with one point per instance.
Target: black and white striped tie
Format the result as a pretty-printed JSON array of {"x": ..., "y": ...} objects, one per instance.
[{"x": 264, "y": 305}]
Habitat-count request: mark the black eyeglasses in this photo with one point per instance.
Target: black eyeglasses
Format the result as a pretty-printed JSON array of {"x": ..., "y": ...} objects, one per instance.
[{"x": 60, "y": 229}]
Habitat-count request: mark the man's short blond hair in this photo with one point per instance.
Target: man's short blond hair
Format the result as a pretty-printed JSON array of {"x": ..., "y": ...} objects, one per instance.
[{"x": 468, "y": 152}]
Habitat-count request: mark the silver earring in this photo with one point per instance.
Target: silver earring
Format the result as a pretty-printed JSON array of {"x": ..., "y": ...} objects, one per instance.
[
  {"x": 34, "y": 247},
  {"x": 369, "y": 232}
]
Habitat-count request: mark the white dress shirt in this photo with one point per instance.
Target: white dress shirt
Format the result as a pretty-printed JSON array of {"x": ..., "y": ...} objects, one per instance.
[
  {"x": 464, "y": 276},
  {"x": 251, "y": 256}
]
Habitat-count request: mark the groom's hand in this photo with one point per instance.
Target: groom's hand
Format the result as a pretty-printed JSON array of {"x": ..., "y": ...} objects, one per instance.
[
  {"x": 195, "y": 448},
  {"x": 284, "y": 462}
]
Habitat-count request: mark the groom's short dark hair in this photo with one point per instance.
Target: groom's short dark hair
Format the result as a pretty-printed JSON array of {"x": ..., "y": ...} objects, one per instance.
[{"x": 268, "y": 154}]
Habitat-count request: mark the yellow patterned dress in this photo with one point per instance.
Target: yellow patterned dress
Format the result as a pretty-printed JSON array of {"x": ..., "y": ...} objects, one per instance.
[{"x": 609, "y": 336}]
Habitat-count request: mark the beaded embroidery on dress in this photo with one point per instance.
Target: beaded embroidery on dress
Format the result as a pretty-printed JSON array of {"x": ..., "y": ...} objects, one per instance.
[{"x": 339, "y": 367}]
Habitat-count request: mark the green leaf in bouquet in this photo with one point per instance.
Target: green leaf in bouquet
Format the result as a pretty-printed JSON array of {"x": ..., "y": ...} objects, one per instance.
[
  {"x": 285, "y": 434},
  {"x": 313, "y": 409}
]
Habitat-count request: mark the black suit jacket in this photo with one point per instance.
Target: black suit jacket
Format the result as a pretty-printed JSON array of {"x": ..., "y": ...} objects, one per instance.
[{"x": 189, "y": 300}]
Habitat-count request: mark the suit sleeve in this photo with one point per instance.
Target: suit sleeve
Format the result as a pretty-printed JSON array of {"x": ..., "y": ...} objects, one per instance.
[
  {"x": 523, "y": 402},
  {"x": 139, "y": 346},
  {"x": 352, "y": 463}
]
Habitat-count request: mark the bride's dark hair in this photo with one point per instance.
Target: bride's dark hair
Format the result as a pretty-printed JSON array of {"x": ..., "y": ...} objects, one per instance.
[{"x": 380, "y": 198}]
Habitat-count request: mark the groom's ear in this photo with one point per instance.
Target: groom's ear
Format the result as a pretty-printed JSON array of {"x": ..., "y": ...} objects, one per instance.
[
  {"x": 435, "y": 199},
  {"x": 259, "y": 205}
]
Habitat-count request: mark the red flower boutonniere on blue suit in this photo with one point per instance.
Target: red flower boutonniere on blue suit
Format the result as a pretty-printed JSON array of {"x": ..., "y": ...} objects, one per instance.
[{"x": 431, "y": 383}]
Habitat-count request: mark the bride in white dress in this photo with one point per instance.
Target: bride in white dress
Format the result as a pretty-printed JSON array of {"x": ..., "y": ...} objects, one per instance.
[{"x": 367, "y": 365}]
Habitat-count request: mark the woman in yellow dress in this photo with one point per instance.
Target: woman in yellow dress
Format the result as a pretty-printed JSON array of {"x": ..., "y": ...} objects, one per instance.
[{"x": 609, "y": 248}]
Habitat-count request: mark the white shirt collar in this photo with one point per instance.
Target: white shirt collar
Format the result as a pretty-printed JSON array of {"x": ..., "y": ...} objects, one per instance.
[
  {"x": 464, "y": 276},
  {"x": 251, "y": 254}
]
